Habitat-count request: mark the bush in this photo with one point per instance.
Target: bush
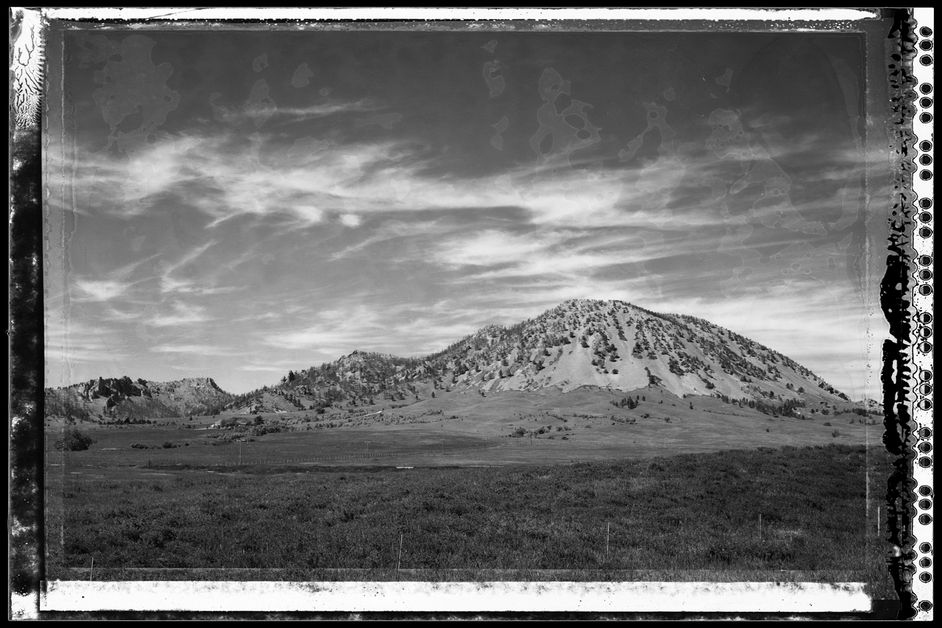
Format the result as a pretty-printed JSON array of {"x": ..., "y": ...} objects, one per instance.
[
  {"x": 261, "y": 430},
  {"x": 74, "y": 440}
]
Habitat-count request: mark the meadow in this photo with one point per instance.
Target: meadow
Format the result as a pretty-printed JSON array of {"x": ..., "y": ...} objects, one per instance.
[
  {"x": 462, "y": 428},
  {"x": 787, "y": 513}
]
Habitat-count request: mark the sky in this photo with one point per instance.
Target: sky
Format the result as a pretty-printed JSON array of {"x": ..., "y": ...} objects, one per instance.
[{"x": 235, "y": 204}]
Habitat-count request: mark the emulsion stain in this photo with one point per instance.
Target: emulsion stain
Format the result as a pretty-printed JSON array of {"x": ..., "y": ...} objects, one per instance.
[
  {"x": 130, "y": 83},
  {"x": 563, "y": 138}
]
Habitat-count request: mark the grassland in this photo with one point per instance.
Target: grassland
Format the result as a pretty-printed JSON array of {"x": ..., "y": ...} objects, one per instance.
[
  {"x": 463, "y": 428},
  {"x": 685, "y": 517}
]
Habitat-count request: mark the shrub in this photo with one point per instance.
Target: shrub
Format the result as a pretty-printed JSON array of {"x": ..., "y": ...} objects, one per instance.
[
  {"x": 261, "y": 430},
  {"x": 74, "y": 440}
]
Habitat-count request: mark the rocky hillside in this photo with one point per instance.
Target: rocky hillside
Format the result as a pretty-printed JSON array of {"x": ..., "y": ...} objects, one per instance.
[
  {"x": 607, "y": 344},
  {"x": 119, "y": 399}
]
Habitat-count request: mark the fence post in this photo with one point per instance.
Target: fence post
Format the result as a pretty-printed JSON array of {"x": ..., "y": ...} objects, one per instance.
[
  {"x": 608, "y": 530},
  {"x": 760, "y": 527},
  {"x": 399, "y": 558}
]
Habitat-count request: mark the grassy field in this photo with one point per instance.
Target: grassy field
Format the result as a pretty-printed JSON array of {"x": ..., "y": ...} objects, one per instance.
[
  {"x": 465, "y": 428},
  {"x": 684, "y": 517}
]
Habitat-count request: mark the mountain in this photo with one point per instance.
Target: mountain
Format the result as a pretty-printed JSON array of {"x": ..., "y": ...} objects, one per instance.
[
  {"x": 600, "y": 345},
  {"x": 581, "y": 343},
  {"x": 120, "y": 399}
]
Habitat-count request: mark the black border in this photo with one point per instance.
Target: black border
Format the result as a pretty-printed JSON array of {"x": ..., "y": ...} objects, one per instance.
[{"x": 26, "y": 550}]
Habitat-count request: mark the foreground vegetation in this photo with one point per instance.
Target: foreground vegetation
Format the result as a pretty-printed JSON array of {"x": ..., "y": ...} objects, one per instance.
[{"x": 751, "y": 515}]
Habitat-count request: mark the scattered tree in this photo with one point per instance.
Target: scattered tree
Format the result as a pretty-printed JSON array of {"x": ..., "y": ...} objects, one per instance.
[{"x": 74, "y": 440}]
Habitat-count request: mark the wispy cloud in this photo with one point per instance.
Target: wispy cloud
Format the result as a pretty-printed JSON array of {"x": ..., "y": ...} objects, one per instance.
[
  {"x": 225, "y": 178},
  {"x": 101, "y": 290},
  {"x": 181, "y": 314},
  {"x": 333, "y": 328},
  {"x": 196, "y": 350},
  {"x": 353, "y": 325},
  {"x": 261, "y": 368},
  {"x": 200, "y": 279},
  {"x": 115, "y": 285},
  {"x": 351, "y": 220},
  {"x": 261, "y": 316},
  {"x": 114, "y": 314},
  {"x": 315, "y": 180},
  {"x": 168, "y": 283},
  {"x": 392, "y": 230},
  {"x": 268, "y": 111},
  {"x": 488, "y": 248},
  {"x": 188, "y": 286},
  {"x": 546, "y": 253},
  {"x": 69, "y": 341}
]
